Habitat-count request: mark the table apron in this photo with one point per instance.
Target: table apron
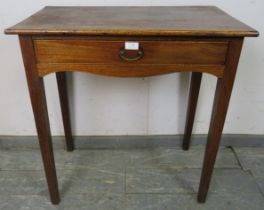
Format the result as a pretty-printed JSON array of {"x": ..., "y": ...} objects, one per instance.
[{"x": 131, "y": 70}]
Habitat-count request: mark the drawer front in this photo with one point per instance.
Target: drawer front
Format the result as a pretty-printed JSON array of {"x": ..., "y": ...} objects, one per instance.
[{"x": 151, "y": 52}]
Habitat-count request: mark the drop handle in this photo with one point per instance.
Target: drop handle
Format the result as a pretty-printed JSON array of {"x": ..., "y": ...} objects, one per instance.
[{"x": 124, "y": 56}]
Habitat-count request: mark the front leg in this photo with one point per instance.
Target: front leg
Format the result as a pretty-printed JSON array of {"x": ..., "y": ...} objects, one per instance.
[
  {"x": 220, "y": 106},
  {"x": 39, "y": 106}
]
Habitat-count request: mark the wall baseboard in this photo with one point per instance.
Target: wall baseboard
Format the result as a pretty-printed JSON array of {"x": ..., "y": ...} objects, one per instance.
[{"x": 130, "y": 142}]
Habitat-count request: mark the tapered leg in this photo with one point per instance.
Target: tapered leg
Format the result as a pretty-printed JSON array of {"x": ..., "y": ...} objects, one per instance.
[
  {"x": 220, "y": 106},
  {"x": 38, "y": 101},
  {"x": 193, "y": 97},
  {"x": 62, "y": 87}
]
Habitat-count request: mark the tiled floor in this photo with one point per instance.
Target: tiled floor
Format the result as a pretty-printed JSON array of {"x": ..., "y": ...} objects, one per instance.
[{"x": 146, "y": 179}]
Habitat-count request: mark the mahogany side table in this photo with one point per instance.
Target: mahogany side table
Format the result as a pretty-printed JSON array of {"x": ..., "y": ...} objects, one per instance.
[{"x": 131, "y": 42}]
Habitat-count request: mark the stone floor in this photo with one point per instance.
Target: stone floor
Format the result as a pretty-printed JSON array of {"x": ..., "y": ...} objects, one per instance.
[{"x": 140, "y": 179}]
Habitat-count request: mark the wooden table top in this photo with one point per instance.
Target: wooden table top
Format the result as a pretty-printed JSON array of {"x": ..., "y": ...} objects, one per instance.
[{"x": 142, "y": 21}]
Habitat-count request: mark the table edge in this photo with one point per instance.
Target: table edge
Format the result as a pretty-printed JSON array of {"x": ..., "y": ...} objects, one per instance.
[{"x": 139, "y": 32}]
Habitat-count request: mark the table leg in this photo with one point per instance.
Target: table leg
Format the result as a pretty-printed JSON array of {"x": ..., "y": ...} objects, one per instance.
[
  {"x": 193, "y": 98},
  {"x": 62, "y": 87},
  {"x": 39, "y": 106},
  {"x": 220, "y": 106}
]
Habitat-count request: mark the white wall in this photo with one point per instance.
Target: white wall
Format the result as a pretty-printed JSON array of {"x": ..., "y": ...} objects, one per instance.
[{"x": 112, "y": 106}]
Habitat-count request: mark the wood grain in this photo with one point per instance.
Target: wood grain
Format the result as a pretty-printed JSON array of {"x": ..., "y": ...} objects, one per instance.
[
  {"x": 39, "y": 106},
  {"x": 107, "y": 52},
  {"x": 192, "y": 104},
  {"x": 140, "y": 21},
  {"x": 65, "y": 112},
  {"x": 222, "y": 95},
  {"x": 131, "y": 70}
]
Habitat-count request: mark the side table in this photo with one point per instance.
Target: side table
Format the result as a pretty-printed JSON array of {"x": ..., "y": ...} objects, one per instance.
[{"x": 131, "y": 42}]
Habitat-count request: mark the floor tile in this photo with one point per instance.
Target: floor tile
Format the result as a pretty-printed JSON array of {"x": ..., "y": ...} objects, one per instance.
[
  {"x": 20, "y": 160},
  {"x": 188, "y": 202},
  {"x": 70, "y": 182},
  {"x": 91, "y": 181},
  {"x": 132, "y": 179},
  {"x": 22, "y": 183},
  {"x": 252, "y": 159},
  {"x": 31, "y": 159},
  {"x": 179, "y": 158},
  {"x": 94, "y": 201},
  {"x": 104, "y": 201},
  {"x": 172, "y": 180},
  {"x": 22, "y": 202},
  {"x": 91, "y": 201}
]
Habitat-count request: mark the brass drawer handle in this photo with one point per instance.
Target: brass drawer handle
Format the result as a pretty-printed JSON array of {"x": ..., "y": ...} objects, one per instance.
[{"x": 123, "y": 55}]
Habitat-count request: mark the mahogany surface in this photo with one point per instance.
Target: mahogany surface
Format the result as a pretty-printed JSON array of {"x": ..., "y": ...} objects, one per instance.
[
  {"x": 172, "y": 21},
  {"x": 103, "y": 52},
  {"x": 160, "y": 57}
]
